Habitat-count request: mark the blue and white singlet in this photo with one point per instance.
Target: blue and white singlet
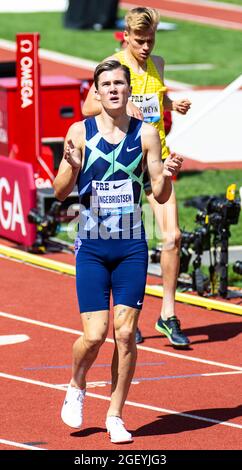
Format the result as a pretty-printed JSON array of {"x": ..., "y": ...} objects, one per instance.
[
  {"x": 111, "y": 249},
  {"x": 110, "y": 185}
]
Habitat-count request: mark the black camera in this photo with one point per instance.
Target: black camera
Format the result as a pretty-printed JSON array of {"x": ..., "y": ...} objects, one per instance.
[
  {"x": 215, "y": 216},
  {"x": 199, "y": 238},
  {"x": 237, "y": 267},
  {"x": 48, "y": 224},
  {"x": 223, "y": 211},
  {"x": 155, "y": 255}
]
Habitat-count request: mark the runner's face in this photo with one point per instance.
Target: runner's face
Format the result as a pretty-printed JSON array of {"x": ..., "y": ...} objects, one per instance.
[
  {"x": 140, "y": 44},
  {"x": 113, "y": 90}
]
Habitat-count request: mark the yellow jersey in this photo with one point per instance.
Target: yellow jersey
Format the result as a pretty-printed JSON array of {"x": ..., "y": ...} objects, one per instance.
[{"x": 147, "y": 94}]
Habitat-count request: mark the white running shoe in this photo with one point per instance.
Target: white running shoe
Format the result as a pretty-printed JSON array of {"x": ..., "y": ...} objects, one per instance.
[
  {"x": 71, "y": 412},
  {"x": 116, "y": 430}
]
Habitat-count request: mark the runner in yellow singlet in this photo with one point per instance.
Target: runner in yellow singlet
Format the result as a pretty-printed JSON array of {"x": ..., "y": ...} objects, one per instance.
[
  {"x": 147, "y": 102},
  {"x": 147, "y": 94}
]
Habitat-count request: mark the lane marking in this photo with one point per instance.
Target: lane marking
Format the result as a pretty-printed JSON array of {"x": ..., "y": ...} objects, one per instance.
[
  {"x": 109, "y": 340},
  {"x": 54, "y": 56},
  {"x": 184, "y": 376},
  {"x": 198, "y": 301},
  {"x": 37, "y": 260},
  {"x": 18, "y": 444},
  {"x": 129, "y": 403},
  {"x": 13, "y": 339}
]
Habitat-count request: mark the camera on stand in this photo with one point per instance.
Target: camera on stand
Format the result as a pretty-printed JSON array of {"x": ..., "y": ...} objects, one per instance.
[
  {"x": 237, "y": 267},
  {"x": 213, "y": 235},
  {"x": 198, "y": 241},
  {"x": 47, "y": 226}
]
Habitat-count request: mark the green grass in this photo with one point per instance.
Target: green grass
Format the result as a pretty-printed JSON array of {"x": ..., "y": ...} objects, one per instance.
[
  {"x": 235, "y": 2},
  {"x": 209, "y": 182},
  {"x": 189, "y": 43}
]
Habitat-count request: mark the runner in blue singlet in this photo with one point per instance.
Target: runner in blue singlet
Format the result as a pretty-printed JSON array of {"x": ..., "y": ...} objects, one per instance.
[
  {"x": 105, "y": 156},
  {"x": 110, "y": 226}
]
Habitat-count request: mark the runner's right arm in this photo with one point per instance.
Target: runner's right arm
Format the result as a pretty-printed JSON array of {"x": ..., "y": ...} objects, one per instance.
[{"x": 71, "y": 162}]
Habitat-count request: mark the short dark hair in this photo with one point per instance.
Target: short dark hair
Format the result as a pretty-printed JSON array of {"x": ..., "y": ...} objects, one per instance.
[{"x": 109, "y": 65}]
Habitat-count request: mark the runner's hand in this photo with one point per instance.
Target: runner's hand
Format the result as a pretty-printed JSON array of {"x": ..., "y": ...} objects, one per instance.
[
  {"x": 133, "y": 111},
  {"x": 172, "y": 165},
  {"x": 181, "y": 106},
  {"x": 72, "y": 155}
]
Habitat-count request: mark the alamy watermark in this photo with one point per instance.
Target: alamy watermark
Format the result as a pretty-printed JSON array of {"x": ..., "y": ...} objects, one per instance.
[{"x": 94, "y": 224}]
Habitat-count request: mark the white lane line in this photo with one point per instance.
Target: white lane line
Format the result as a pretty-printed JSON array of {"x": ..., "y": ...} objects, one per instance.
[
  {"x": 190, "y": 358},
  {"x": 40, "y": 323},
  {"x": 54, "y": 56},
  {"x": 210, "y": 374},
  {"x": 129, "y": 403},
  {"x": 109, "y": 340},
  {"x": 12, "y": 339},
  {"x": 18, "y": 444}
]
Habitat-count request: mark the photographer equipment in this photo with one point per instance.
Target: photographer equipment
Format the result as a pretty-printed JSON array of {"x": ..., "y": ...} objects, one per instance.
[
  {"x": 237, "y": 267},
  {"x": 219, "y": 213},
  {"x": 199, "y": 240},
  {"x": 223, "y": 212},
  {"x": 47, "y": 226},
  {"x": 215, "y": 216}
]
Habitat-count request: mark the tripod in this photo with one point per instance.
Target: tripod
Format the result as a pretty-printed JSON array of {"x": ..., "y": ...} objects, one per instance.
[{"x": 221, "y": 267}]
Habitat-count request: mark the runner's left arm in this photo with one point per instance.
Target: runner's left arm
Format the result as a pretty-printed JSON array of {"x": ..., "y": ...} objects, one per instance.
[
  {"x": 160, "y": 173},
  {"x": 180, "y": 106},
  {"x": 91, "y": 106}
]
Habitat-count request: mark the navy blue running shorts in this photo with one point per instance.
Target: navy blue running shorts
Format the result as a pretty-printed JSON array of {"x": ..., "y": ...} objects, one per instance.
[{"x": 105, "y": 266}]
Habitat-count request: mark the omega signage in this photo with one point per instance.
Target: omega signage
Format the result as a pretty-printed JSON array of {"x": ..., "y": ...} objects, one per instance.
[
  {"x": 28, "y": 98},
  {"x": 17, "y": 197}
]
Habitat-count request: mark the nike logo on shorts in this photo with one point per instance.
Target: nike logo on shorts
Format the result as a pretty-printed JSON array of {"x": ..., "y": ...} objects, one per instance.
[{"x": 139, "y": 303}]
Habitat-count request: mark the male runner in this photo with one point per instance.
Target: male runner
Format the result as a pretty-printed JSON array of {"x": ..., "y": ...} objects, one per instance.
[
  {"x": 147, "y": 101},
  {"x": 105, "y": 156}
]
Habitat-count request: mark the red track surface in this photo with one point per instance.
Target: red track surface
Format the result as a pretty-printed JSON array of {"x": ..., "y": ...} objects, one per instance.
[
  {"x": 229, "y": 16},
  {"x": 31, "y": 413},
  {"x": 165, "y": 379}
]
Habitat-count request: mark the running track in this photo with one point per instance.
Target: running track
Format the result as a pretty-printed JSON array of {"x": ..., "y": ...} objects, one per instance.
[
  {"x": 206, "y": 12},
  {"x": 179, "y": 400}
]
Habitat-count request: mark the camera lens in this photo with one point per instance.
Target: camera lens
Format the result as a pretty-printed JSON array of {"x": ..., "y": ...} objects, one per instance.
[{"x": 237, "y": 267}]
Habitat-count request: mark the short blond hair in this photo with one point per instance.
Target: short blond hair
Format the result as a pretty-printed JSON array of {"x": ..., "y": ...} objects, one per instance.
[{"x": 142, "y": 19}]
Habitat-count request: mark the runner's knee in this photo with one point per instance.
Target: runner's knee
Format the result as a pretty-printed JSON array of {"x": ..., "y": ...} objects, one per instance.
[
  {"x": 124, "y": 335},
  {"x": 94, "y": 340},
  {"x": 172, "y": 240}
]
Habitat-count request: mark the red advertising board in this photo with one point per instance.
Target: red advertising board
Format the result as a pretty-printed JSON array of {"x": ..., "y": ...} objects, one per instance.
[
  {"x": 17, "y": 197},
  {"x": 3, "y": 123},
  {"x": 28, "y": 98}
]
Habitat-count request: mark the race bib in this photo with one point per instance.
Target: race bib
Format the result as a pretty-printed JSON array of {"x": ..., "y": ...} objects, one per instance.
[
  {"x": 113, "y": 197},
  {"x": 149, "y": 105}
]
